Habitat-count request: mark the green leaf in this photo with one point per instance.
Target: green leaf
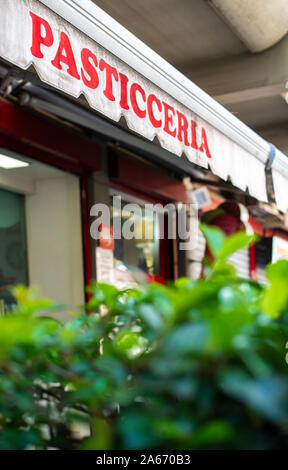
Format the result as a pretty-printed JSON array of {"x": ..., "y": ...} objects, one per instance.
[
  {"x": 236, "y": 242},
  {"x": 275, "y": 299},
  {"x": 214, "y": 432},
  {"x": 102, "y": 436},
  {"x": 215, "y": 238},
  {"x": 223, "y": 271},
  {"x": 267, "y": 396},
  {"x": 131, "y": 344},
  {"x": 187, "y": 338},
  {"x": 222, "y": 246}
]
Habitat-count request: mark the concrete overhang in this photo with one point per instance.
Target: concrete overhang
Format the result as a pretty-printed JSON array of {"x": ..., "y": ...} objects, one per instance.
[{"x": 259, "y": 24}]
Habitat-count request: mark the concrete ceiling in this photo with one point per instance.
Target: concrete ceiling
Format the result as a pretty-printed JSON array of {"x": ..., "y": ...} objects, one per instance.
[
  {"x": 254, "y": 112},
  {"x": 181, "y": 31},
  {"x": 195, "y": 39}
]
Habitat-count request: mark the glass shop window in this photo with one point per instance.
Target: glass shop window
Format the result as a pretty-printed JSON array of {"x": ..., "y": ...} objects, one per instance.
[
  {"x": 40, "y": 233},
  {"x": 13, "y": 261},
  {"x": 140, "y": 253}
]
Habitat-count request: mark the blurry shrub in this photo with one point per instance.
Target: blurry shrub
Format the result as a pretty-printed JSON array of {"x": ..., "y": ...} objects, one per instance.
[{"x": 192, "y": 365}]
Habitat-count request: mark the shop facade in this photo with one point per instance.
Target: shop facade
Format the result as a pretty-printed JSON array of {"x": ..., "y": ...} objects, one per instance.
[{"x": 89, "y": 114}]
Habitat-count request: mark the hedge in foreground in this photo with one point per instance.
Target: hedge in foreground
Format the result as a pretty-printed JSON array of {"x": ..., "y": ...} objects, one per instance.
[{"x": 192, "y": 365}]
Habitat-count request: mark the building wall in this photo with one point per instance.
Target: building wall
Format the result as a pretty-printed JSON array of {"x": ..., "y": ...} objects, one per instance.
[{"x": 54, "y": 239}]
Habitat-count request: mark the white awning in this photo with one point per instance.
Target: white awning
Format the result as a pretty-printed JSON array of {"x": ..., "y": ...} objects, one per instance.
[
  {"x": 280, "y": 180},
  {"x": 64, "y": 43}
]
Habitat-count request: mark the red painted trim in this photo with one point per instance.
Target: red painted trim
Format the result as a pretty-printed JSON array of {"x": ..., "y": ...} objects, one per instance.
[
  {"x": 141, "y": 177},
  {"x": 253, "y": 267},
  {"x": 134, "y": 192},
  {"x": 86, "y": 233},
  {"x": 41, "y": 155},
  {"x": 268, "y": 232},
  {"x": 280, "y": 234},
  {"x": 168, "y": 256},
  {"x": 48, "y": 136},
  {"x": 164, "y": 253},
  {"x": 257, "y": 227}
]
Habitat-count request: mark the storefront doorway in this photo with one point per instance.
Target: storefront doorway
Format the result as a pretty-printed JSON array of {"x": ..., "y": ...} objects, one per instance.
[{"x": 140, "y": 258}]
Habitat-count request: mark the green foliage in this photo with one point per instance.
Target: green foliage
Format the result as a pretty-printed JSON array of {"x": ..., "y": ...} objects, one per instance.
[
  {"x": 193, "y": 365},
  {"x": 221, "y": 246}
]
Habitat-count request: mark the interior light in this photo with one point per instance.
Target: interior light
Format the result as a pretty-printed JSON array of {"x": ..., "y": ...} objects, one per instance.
[
  {"x": 9, "y": 162},
  {"x": 285, "y": 94}
]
